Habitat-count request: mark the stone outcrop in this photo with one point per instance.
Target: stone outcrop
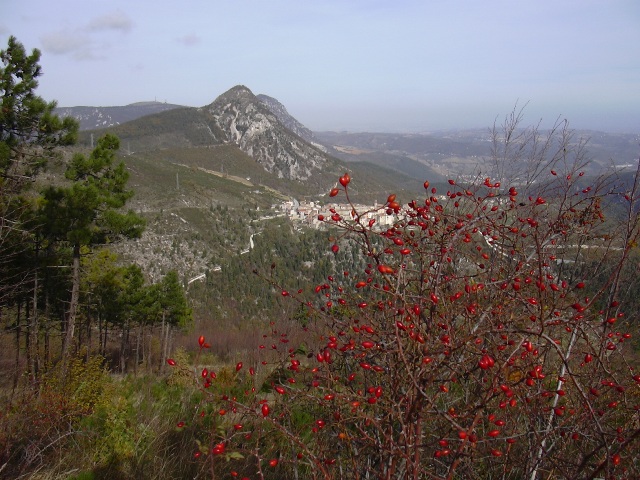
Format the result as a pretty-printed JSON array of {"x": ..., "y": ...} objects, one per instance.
[{"x": 257, "y": 131}]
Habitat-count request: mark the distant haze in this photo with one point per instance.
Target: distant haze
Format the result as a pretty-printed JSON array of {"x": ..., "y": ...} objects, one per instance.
[{"x": 378, "y": 65}]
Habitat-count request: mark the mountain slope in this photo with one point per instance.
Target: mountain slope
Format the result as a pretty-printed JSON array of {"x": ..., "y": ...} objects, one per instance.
[
  {"x": 103, "y": 117},
  {"x": 182, "y": 127},
  {"x": 237, "y": 117},
  {"x": 280, "y": 111},
  {"x": 248, "y": 123}
]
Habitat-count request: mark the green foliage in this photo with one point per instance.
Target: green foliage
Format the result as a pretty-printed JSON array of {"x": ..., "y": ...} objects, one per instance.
[
  {"x": 86, "y": 212},
  {"x": 183, "y": 374},
  {"x": 170, "y": 299},
  {"x": 116, "y": 432},
  {"x": 107, "y": 428},
  {"x": 103, "y": 286},
  {"x": 79, "y": 388},
  {"x": 30, "y": 136},
  {"x": 35, "y": 424},
  {"x": 133, "y": 432},
  {"x": 114, "y": 291},
  {"x": 282, "y": 254},
  {"x": 29, "y": 131},
  {"x": 118, "y": 299}
]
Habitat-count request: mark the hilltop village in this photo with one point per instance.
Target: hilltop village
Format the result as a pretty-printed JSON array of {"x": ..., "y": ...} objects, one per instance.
[{"x": 315, "y": 215}]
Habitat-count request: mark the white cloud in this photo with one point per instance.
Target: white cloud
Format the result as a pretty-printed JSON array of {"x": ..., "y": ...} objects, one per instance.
[
  {"x": 81, "y": 43},
  {"x": 189, "y": 40},
  {"x": 111, "y": 21},
  {"x": 64, "y": 42}
]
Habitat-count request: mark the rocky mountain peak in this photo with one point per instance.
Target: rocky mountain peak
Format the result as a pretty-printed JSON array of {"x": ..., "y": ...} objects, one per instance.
[
  {"x": 239, "y": 92},
  {"x": 258, "y": 131}
]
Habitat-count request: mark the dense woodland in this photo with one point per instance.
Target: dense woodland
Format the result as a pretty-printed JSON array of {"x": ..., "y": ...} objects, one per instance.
[{"x": 491, "y": 332}]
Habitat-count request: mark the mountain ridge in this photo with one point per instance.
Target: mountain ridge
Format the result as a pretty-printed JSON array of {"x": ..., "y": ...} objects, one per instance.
[
  {"x": 441, "y": 153},
  {"x": 103, "y": 117}
]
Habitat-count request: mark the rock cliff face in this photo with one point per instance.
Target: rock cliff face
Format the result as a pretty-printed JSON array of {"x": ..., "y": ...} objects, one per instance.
[
  {"x": 287, "y": 120},
  {"x": 247, "y": 122},
  {"x": 290, "y": 122}
]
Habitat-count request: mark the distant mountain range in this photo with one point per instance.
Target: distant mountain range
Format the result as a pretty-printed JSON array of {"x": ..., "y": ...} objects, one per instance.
[
  {"x": 239, "y": 117},
  {"x": 104, "y": 117},
  {"x": 286, "y": 156}
]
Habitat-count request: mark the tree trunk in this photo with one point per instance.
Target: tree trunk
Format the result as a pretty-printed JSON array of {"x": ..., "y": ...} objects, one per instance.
[
  {"x": 88, "y": 326},
  {"x": 73, "y": 305},
  {"x": 80, "y": 339},
  {"x": 99, "y": 334},
  {"x": 33, "y": 330},
  {"x": 27, "y": 338},
  {"x": 104, "y": 338},
  {"x": 47, "y": 326},
  {"x": 165, "y": 352},
  {"x": 123, "y": 346},
  {"x": 16, "y": 373},
  {"x": 47, "y": 320},
  {"x": 127, "y": 347},
  {"x": 135, "y": 365},
  {"x": 162, "y": 347},
  {"x": 149, "y": 350}
]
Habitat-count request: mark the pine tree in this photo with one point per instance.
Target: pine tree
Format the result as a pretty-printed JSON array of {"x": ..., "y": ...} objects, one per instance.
[
  {"x": 171, "y": 308},
  {"x": 30, "y": 136},
  {"x": 88, "y": 212}
]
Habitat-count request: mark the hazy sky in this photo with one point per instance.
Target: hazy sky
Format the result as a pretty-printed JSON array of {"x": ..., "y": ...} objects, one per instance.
[{"x": 376, "y": 65}]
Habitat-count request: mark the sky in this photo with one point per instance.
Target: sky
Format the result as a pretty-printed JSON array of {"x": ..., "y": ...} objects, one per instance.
[{"x": 355, "y": 65}]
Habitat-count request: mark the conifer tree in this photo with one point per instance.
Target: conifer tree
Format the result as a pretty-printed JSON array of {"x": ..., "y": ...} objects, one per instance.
[
  {"x": 88, "y": 212},
  {"x": 171, "y": 308},
  {"x": 30, "y": 136}
]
